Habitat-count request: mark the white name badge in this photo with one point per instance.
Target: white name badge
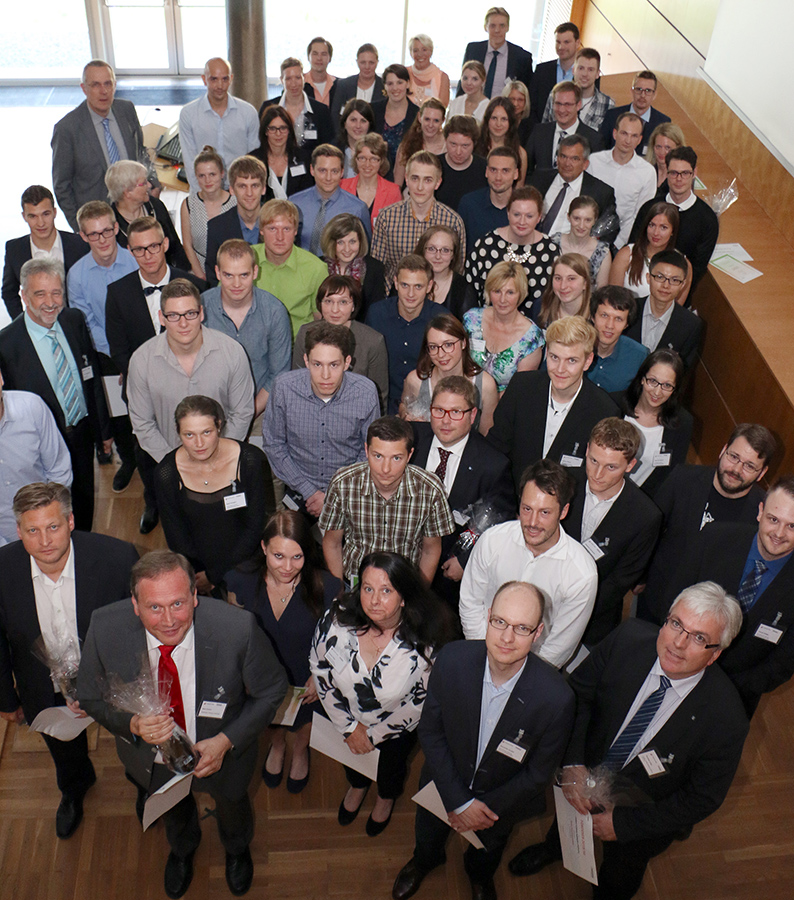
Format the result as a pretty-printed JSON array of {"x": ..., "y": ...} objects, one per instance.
[
  {"x": 661, "y": 459},
  {"x": 593, "y": 549},
  {"x": 651, "y": 763},
  {"x": 311, "y": 134},
  {"x": 87, "y": 372},
  {"x": 235, "y": 501},
  {"x": 289, "y": 502},
  {"x": 459, "y": 517},
  {"x": 335, "y": 658},
  {"x": 478, "y": 344},
  {"x": 514, "y": 751},
  {"x": 212, "y": 709},
  {"x": 768, "y": 633},
  {"x": 297, "y": 170},
  {"x": 572, "y": 462}
]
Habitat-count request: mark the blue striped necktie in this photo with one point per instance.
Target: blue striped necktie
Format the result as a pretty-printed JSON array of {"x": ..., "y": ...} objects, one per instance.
[
  {"x": 113, "y": 150},
  {"x": 620, "y": 750},
  {"x": 65, "y": 381},
  {"x": 749, "y": 587}
]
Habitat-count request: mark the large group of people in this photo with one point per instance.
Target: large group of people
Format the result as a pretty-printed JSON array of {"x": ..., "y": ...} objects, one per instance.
[{"x": 406, "y": 397}]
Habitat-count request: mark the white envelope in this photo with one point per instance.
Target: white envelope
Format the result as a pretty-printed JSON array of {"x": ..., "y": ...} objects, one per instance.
[
  {"x": 430, "y": 799},
  {"x": 166, "y": 798},
  {"x": 327, "y": 740},
  {"x": 576, "y": 838},
  {"x": 61, "y": 723}
]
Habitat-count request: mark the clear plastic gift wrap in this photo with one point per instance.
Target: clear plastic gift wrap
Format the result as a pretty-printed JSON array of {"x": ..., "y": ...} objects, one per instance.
[
  {"x": 482, "y": 514},
  {"x": 723, "y": 198},
  {"x": 61, "y": 655},
  {"x": 417, "y": 409},
  {"x": 149, "y": 696},
  {"x": 597, "y": 787},
  {"x": 606, "y": 228}
]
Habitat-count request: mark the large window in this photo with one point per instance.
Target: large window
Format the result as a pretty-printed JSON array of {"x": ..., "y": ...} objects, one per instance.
[{"x": 52, "y": 43}]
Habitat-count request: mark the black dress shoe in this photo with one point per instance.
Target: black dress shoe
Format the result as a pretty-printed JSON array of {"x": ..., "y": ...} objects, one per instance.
[
  {"x": 374, "y": 828},
  {"x": 68, "y": 817},
  {"x": 104, "y": 459},
  {"x": 532, "y": 859},
  {"x": 483, "y": 890},
  {"x": 345, "y": 816},
  {"x": 123, "y": 477},
  {"x": 296, "y": 785},
  {"x": 149, "y": 520},
  {"x": 408, "y": 881},
  {"x": 178, "y": 874},
  {"x": 272, "y": 779},
  {"x": 239, "y": 872}
]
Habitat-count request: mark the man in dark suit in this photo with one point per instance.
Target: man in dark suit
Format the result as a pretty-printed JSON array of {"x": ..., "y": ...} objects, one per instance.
[
  {"x": 227, "y": 685},
  {"x": 544, "y": 139},
  {"x": 551, "y": 414},
  {"x": 613, "y": 520},
  {"x": 86, "y": 141},
  {"x": 660, "y": 321},
  {"x": 49, "y": 352},
  {"x": 367, "y": 84},
  {"x": 39, "y": 212},
  {"x": 692, "y": 500},
  {"x": 470, "y": 470},
  {"x": 652, "y": 707},
  {"x": 494, "y": 726},
  {"x": 573, "y": 158},
  {"x": 503, "y": 61},
  {"x": 53, "y": 576},
  {"x": 643, "y": 92},
  {"x": 547, "y": 74},
  {"x": 132, "y": 317},
  {"x": 755, "y": 565}
]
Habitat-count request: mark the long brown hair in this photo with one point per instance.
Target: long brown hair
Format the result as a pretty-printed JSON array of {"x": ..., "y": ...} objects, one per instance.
[
  {"x": 484, "y": 146},
  {"x": 453, "y": 327},
  {"x": 414, "y": 140},
  {"x": 550, "y": 303},
  {"x": 639, "y": 251}
]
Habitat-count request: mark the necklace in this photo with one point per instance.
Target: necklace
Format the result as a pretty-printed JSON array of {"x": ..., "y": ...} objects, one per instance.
[
  {"x": 520, "y": 258},
  {"x": 289, "y": 593}
]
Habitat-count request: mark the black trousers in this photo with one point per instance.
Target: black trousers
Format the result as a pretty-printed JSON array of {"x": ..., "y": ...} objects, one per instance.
[
  {"x": 392, "y": 766},
  {"x": 146, "y": 466},
  {"x": 80, "y": 441},
  {"x": 120, "y": 426},
  {"x": 73, "y": 768}
]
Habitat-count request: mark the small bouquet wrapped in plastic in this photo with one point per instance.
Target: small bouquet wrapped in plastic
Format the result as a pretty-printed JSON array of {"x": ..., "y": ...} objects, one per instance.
[
  {"x": 482, "y": 514},
  {"x": 148, "y": 696},
  {"x": 723, "y": 198},
  {"x": 597, "y": 786},
  {"x": 61, "y": 655},
  {"x": 416, "y": 409},
  {"x": 606, "y": 228}
]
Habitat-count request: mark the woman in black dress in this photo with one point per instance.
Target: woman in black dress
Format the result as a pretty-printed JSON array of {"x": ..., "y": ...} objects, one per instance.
[{"x": 287, "y": 592}]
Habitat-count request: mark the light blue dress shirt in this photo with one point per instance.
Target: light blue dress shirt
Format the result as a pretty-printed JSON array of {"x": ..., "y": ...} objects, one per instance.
[
  {"x": 43, "y": 347},
  {"x": 308, "y": 203}
]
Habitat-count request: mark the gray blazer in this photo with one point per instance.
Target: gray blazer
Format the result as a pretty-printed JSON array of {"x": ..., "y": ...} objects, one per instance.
[
  {"x": 78, "y": 162},
  {"x": 235, "y": 664}
]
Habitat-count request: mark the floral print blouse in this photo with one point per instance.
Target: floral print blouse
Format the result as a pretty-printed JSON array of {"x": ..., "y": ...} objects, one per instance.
[{"x": 503, "y": 365}]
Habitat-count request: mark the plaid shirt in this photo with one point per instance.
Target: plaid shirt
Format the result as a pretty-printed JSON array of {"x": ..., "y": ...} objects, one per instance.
[
  {"x": 397, "y": 231},
  {"x": 418, "y": 509},
  {"x": 591, "y": 115}
]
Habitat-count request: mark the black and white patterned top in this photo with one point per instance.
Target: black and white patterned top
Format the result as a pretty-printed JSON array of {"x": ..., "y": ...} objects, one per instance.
[{"x": 387, "y": 699}]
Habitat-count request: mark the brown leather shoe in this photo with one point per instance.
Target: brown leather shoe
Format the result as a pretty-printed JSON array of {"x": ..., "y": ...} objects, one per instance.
[{"x": 408, "y": 881}]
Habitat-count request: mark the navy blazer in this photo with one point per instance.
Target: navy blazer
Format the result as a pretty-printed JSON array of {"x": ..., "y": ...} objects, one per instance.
[
  {"x": 538, "y": 716},
  {"x": 345, "y": 89},
  {"x": 18, "y": 253},
  {"x": 540, "y": 146},
  {"x": 519, "y": 61},
  {"x": 543, "y": 82},
  {"x": 608, "y": 126},
  {"x": 102, "y": 568},
  {"x": 701, "y": 742},
  {"x": 683, "y": 333}
]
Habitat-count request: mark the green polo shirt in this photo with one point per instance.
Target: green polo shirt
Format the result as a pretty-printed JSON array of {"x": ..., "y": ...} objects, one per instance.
[{"x": 295, "y": 283}]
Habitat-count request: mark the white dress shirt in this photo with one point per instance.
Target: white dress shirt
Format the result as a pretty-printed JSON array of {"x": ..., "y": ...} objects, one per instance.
[
  {"x": 555, "y": 416},
  {"x": 650, "y": 449},
  {"x": 561, "y": 223},
  {"x": 634, "y": 182},
  {"x": 595, "y": 511},
  {"x": 453, "y": 462},
  {"x": 55, "y": 252},
  {"x": 566, "y": 574},
  {"x": 153, "y": 300},
  {"x": 56, "y": 606},
  {"x": 184, "y": 655}
]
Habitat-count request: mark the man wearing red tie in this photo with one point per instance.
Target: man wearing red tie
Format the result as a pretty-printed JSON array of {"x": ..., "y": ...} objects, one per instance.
[{"x": 222, "y": 705}]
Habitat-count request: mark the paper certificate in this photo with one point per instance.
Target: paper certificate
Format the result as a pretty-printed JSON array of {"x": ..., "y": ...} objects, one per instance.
[
  {"x": 166, "y": 798},
  {"x": 288, "y": 711},
  {"x": 735, "y": 268},
  {"x": 430, "y": 799},
  {"x": 327, "y": 740},
  {"x": 116, "y": 406},
  {"x": 61, "y": 723},
  {"x": 576, "y": 837}
]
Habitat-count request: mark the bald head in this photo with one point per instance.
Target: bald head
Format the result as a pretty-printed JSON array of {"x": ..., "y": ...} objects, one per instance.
[{"x": 218, "y": 78}]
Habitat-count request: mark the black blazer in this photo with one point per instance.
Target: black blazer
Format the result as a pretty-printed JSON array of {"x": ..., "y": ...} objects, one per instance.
[
  {"x": 626, "y": 539},
  {"x": 683, "y": 333},
  {"x": 600, "y": 191},
  {"x": 372, "y": 289},
  {"x": 540, "y": 146},
  {"x": 484, "y": 473},
  {"x": 543, "y": 80},
  {"x": 127, "y": 320},
  {"x": 754, "y": 665},
  {"x": 102, "y": 575},
  {"x": 608, "y": 126},
  {"x": 702, "y": 739},
  {"x": 520, "y": 421},
  {"x": 295, "y": 183},
  {"x": 18, "y": 253},
  {"x": 345, "y": 89},
  {"x": 224, "y": 227},
  {"x": 308, "y": 89},
  {"x": 321, "y": 116},
  {"x": 175, "y": 255},
  {"x": 519, "y": 61},
  {"x": 540, "y": 707},
  {"x": 23, "y": 371},
  {"x": 682, "y": 499}
]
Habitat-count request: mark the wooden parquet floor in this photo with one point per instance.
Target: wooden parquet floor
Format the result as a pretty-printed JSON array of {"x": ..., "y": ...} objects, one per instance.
[{"x": 744, "y": 852}]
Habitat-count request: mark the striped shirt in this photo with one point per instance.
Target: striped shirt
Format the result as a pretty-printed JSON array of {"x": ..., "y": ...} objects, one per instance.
[{"x": 418, "y": 509}]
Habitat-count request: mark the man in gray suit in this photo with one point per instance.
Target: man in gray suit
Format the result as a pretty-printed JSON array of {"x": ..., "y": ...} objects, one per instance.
[
  {"x": 227, "y": 685},
  {"x": 99, "y": 132}
]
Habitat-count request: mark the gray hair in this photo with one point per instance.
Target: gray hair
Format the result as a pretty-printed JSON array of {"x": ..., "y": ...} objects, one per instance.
[
  {"x": 98, "y": 64},
  {"x": 709, "y": 599},
  {"x": 43, "y": 265},
  {"x": 122, "y": 176},
  {"x": 575, "y": 140}
]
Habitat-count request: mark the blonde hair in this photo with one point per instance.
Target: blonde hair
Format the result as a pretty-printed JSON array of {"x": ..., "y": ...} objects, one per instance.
[
  {"x": 501, "y": 273},
  {"x": 572, "y": 330}
]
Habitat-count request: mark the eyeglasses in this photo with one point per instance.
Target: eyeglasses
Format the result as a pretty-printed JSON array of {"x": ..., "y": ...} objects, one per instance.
[
  {"x": 332, "y": 301},
  {"x": 646, "y": 91},
  {"x": 455, "y": 415},
  {"x": 520, "y": 630},
  {"x": 673, "y": 280},
  {"x": 747, "y": 467},
  {"x": 94, "y": 236},
  {"x": 447, "y": 347},
  {"x": 191, "y": 315},
  {"x": 662, "y": 385},
  {"x": 277, "y": 129},
  {"x": 561, "y": 105},
  {"x": 698, "y": 637},
  {"x": 688, "y": 173},
  {"x": 444, "y": 251},
  {"x": 149, "y": 248}
]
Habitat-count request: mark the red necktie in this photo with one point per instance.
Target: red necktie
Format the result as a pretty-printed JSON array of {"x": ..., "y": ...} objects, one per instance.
[
  {"x": 441, "y": 469},
  {"x": 167, "y": 672}
]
